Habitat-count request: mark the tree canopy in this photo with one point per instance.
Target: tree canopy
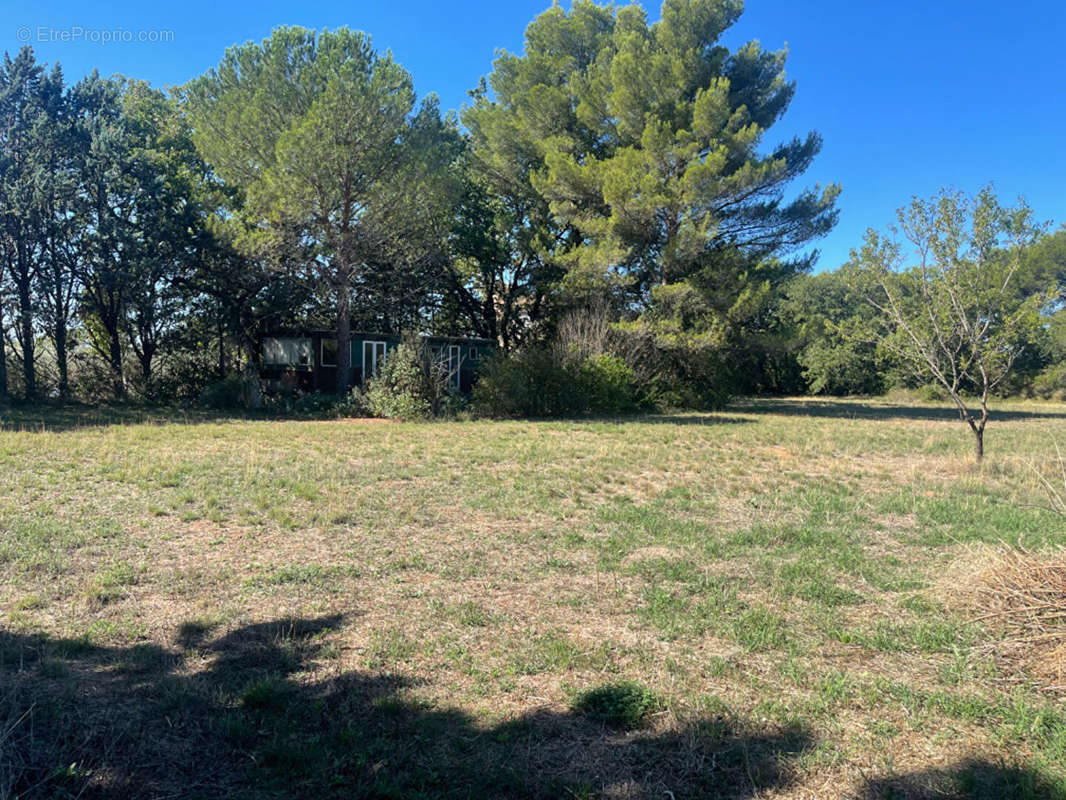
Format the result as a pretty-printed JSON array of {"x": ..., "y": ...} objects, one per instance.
[
  {"x": 323, "y": 136},
  {"x": 957, "y": 316}
]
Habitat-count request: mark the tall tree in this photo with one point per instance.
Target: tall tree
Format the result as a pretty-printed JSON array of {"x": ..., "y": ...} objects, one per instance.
[
  {"x": 646, "y": 141},
  {"x": 502, "y": 276},
  {"x": 323, "y": 135},
  {"x": 57, "y": 285},
  {"x": 957, "y": 318},
  {"x": 508, "y": 248},
  {"x": 171, "y": 237},
  {"x": 106, "y": 213},
  {"x": 28, "y": 103},
  {"x": 3, "y": 344}
]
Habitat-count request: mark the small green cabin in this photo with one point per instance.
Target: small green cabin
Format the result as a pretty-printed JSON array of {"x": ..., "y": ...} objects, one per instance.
[{"x": 307, "y": 359}]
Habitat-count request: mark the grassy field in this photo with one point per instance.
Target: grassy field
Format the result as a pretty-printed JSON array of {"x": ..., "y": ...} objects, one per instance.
[{"x": 761, "y": 603}]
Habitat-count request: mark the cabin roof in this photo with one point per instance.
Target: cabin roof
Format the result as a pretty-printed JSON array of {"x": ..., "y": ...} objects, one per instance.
[{"x": 327, "y": 334}]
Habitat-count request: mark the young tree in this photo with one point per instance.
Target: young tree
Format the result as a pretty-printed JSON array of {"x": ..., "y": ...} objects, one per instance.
[
  {"x": 323, "y": 136},
  {"x": 507, "y": 247},
  {"x": 502, "y": 274},
  {"x": 957, "y": 318},
  {"x": 3, "y": 350}
]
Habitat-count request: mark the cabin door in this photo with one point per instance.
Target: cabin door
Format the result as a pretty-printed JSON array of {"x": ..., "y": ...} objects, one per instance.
[{"x": 373, "y": 358}]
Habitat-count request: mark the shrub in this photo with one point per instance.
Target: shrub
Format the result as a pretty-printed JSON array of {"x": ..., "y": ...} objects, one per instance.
[
  {"x": 542, "y": 383},
  {"x": 675, "y": 369},
  {"x": 530, "y": 383},
  {"x": 411, "y": 384},
  {"x": 225, "y": 395},
  {"x": 1050, "y": 384},
  {"x": 607, "y": 384},
  {"x": 625, "y": 704},
  {"x": 315, "y": 403}
]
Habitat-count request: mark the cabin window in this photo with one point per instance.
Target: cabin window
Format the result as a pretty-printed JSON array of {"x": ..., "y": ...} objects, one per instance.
[
  {"x": 295, "y": 352},
  {"x": 329, "y": 352},
  {"x": 473, "y": 354},
  {"x": 373, "y": 358}
]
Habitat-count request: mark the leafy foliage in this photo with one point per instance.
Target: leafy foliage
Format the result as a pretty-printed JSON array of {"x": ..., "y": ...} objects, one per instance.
[
  {"x": 323, "y": 136},
  {"x": 625, "y": 704},
  {"x": 411, "y": 385},
  {"x": 957, "y": 318}
]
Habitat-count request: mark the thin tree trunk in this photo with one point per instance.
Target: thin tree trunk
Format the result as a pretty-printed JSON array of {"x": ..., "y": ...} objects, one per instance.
[
  {"x": 29, "y": 370},
  {"x": 61, "y": 285},
  {"x": 3, "y": 363},
  {"x": 344, "y": 331},
  {"x": 114, "y": 359},
  {"x": 221, "y": 350},
  {"x": 61, "y": 358},
  {"x": 978, "y": 428}
]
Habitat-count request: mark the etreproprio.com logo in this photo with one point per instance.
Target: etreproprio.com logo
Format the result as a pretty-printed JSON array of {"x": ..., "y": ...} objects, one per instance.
[{"x": 77, "y": 34}]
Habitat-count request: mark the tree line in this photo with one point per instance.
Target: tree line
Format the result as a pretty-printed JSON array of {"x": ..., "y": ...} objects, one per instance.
[{"x": 618, "y": 169}]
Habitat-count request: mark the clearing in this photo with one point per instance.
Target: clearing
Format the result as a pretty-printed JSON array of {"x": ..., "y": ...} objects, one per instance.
[{"x": 201, "y": 606}]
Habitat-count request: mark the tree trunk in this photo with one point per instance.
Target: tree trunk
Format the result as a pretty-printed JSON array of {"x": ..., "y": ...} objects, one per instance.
[
  {"x": 114, "y": 360},
  {"x": 29, "y": 370},
  {"x": 60, "y": 294},
  {"x": 145, "y": 357},
  {"x": 978, "y": 429},
  {"x": 221, "y": 350},
  {"x": 3, "y": 363},
  {"x": 61, "y": 358},
  {"x": 344, "y": 331}
]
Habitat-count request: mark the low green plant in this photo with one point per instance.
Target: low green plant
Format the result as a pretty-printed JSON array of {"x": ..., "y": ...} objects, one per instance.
[{"x": 625, "y": 704}]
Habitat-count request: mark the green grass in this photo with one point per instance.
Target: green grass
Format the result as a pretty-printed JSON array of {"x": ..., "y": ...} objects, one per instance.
[{"x": 198, "y": 605}]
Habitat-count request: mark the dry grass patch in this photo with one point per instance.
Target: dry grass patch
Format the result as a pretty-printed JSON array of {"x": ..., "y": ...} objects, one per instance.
[{"x": 1020, "y": 596}]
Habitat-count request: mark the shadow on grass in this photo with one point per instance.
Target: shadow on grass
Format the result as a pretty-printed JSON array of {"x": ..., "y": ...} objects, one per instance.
[
  {"x": 702, "y": 418},
  {"x": 57, "y": 418},
  {"x": 65, "y": 418},
  {"x": 236, "y": 716},
  {"x": 972, "y": 779},
  {"x": 852, "y": 409}
]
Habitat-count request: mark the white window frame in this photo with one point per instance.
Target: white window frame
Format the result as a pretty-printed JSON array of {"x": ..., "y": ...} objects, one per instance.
[{"x": 377, "y": 362}]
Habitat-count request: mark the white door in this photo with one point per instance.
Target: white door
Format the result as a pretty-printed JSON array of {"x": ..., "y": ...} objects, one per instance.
[{"x": 373, "y": 358}]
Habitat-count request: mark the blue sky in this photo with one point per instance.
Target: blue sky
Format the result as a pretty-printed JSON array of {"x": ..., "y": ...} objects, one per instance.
[{"x": 909, "y": 95}]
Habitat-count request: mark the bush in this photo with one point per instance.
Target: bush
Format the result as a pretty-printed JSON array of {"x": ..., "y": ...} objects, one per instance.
[
  {"x": 607, "y": 384},
  {"x": 543, "y": 383},
  {"x": 530, "y": 383},
  {"x": 228, "y": 394},
  {"x": 626, "y": 704},
  {"x": 315, "y": 404},
  {"x": 675, "y": 369},
  {"x": 411, "y": 384},
  {"x": 1050, "y": 384}
]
